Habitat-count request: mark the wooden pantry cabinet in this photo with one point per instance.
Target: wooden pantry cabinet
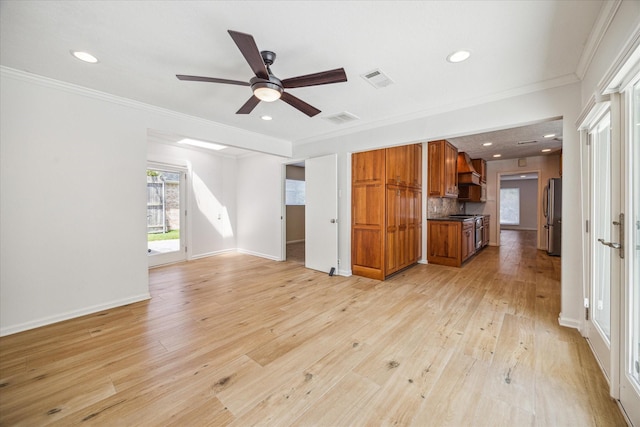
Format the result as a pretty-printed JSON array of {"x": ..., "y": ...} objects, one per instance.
[{"x": 386, "y": 210}]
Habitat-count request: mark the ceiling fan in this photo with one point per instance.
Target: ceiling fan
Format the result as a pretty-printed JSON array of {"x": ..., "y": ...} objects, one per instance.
[{"x": 267, "y": 87}]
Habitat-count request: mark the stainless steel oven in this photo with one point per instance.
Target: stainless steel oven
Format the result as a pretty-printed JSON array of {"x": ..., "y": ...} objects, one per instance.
[{"x": 479, "y": 231}]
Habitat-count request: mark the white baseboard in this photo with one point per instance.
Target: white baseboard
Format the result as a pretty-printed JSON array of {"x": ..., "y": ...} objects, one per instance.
[
  {"x": 345, "y": 273},
  {"x": 214, "y": 253},
  {"x": 14, "y": 329},
  {"x": 258, "y": 254},
  {"x": 569, "y": 323}
]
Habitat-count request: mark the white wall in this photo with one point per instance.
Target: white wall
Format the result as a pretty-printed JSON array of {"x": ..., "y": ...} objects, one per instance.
[
  {"x": 211, "y": 197},
  {"x": 260, "y": 205},
  {"x": 72, "y": 178}
]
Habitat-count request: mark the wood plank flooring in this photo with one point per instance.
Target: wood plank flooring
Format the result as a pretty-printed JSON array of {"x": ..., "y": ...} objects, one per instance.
[{"x": 238, "y": 340}]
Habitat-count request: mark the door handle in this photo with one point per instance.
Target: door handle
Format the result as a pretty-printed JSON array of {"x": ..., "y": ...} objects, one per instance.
[
  {"x": 333, "y": 220},
  {"x": 610, "y": 244}
]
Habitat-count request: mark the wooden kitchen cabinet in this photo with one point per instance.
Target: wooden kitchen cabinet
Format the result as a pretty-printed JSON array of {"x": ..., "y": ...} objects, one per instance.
[
  {"x": 451, "y": 242},
  {"x": 444, "y": 243},
  {"x": 486, "y": 230},
  {"x": 443, "y": 173},
  {"x": 386, "y": 210},
  {"x": 473, "y": 193},
  {"x": 467, "y": 240},
  {"x": 368, "y": 213}
]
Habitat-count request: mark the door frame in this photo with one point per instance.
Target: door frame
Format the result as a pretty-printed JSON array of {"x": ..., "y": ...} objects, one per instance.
[
  {"x": 627, "y": 390},
  {"x": 539, "y": 193},
  {"x": 283, "y": 215},
  {"x": 185, "y": 238},
  {"x": 610, "y": 365}
]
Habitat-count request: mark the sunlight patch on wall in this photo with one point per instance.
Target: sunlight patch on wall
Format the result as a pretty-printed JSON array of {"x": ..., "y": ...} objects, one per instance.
[{"x": 211, "y": 208}]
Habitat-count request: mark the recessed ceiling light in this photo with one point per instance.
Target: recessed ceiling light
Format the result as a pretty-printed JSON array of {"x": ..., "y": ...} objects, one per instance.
[
  {"x": 550, "y": 135},
  {"x": 201, "y": 144},
  {"x": 546, "y": 150},
  {"x": 459, "y": 56},
  {"x": 84, "y": 56},
  {"x": 266, "y": 118},
  {"x": 486, "y": 144},
  {"x": 497, "y": 155}
]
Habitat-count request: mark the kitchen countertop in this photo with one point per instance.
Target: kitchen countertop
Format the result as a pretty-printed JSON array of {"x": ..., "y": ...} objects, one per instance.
[{"x": 455, "y": 218}]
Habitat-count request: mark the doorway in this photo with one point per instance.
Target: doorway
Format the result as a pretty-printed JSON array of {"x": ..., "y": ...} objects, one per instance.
[
  {"x": 295, "y": 192},
  {"x": 320, "y": 215},
  {"x": 166, "y": 222}
]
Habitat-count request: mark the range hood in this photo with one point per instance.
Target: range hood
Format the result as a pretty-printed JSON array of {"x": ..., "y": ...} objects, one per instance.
[{"x": 467, "y": 175}]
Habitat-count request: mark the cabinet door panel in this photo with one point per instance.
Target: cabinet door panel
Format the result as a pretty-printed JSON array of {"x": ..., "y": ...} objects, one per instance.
[
  {"x": 368, "y": 167},
  {"x": 444, "y": 243},
  {"x": 393, "y": 229}
]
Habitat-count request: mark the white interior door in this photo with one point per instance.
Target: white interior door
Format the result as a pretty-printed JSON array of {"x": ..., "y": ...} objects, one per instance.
[
  {"x": 630, "y": 352},
  {"x": 605, "y": 265},
  {"x": 321, "y": 213}
]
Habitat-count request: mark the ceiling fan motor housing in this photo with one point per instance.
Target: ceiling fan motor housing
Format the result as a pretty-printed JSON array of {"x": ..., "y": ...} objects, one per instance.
[{"x": 272, "y": 84}]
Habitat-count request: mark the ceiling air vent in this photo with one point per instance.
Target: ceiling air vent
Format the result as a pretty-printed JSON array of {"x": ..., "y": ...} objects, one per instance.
[
  {"x": 377, "y": 78},
  {"x": 341, "y": 118},
  {"x": 533, "y": 141}
]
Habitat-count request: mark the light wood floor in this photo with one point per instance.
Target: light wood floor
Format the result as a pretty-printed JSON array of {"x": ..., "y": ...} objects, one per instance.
[{"x": 238, "y": 340}]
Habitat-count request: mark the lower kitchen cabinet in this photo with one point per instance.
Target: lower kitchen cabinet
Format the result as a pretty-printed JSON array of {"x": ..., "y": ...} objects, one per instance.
[
  {"x": 486, "y": 230},
  {"x": 444, "y": 243},
  {"x": 453, "y": 242},
  {"x": 468, "y": 239}
]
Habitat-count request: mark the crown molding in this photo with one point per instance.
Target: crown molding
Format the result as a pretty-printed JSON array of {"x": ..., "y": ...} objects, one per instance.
[
  {"x": 106, "y": 97},
  {"x": 603, "y": 22}
]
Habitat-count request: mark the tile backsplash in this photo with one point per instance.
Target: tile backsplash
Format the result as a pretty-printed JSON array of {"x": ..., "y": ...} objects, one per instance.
[{"x": 439, "y": 207}]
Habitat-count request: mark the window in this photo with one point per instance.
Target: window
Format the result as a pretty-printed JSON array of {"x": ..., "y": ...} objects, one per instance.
[
  {"x": 509, "y": 206},
  {"x": 294, "y": 192}
]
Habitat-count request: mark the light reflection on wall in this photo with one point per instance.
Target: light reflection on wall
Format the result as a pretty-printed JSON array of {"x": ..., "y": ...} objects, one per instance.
[{"x": 211, "y": 208}]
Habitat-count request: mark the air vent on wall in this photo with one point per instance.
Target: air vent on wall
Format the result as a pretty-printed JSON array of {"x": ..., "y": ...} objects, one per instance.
[
  {"x": 533, "y": 141},
  {"x": 377, "y": 78},
  {"x": 341, "y": 118}
]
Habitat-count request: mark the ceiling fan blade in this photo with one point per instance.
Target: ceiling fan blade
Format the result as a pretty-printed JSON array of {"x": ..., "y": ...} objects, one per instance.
[
  {"x": 249, "y": 50},
  {"x": 211, "y": 80},
  {"x": 248, "y": 106},
  {"x": 326, "y": 77},
  {"x": 299, "y": 104}
]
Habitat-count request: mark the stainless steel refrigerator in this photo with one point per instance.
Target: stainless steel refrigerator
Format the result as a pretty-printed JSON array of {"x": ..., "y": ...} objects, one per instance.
[{"x": 553, "y": 213}]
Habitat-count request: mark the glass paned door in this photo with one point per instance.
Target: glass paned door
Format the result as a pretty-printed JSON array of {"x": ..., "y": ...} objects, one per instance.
[
  {"x": 603, "y": 195},
  {"x": 165, "y": 216},
  {"x": 630, "y": 354},
  {"x": 601, "y": 295}
]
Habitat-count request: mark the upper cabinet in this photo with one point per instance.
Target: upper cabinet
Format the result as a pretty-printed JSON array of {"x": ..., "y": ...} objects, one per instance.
[
  {"x": 443, "y": 172},
  {"x": 404, "y": 165}
]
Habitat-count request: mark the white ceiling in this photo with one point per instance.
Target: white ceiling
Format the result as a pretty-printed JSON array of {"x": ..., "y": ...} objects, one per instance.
[{"x": 516, "y": 46}]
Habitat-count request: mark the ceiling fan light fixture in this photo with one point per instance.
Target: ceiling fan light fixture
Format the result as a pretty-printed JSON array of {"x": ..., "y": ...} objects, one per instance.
[{"x": 266, "y": 91}]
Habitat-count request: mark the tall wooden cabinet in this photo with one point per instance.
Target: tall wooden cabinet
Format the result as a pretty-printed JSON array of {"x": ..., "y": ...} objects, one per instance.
[
  {"x": 443, "y": 169},
  {"x": 386, "y": 210}
]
